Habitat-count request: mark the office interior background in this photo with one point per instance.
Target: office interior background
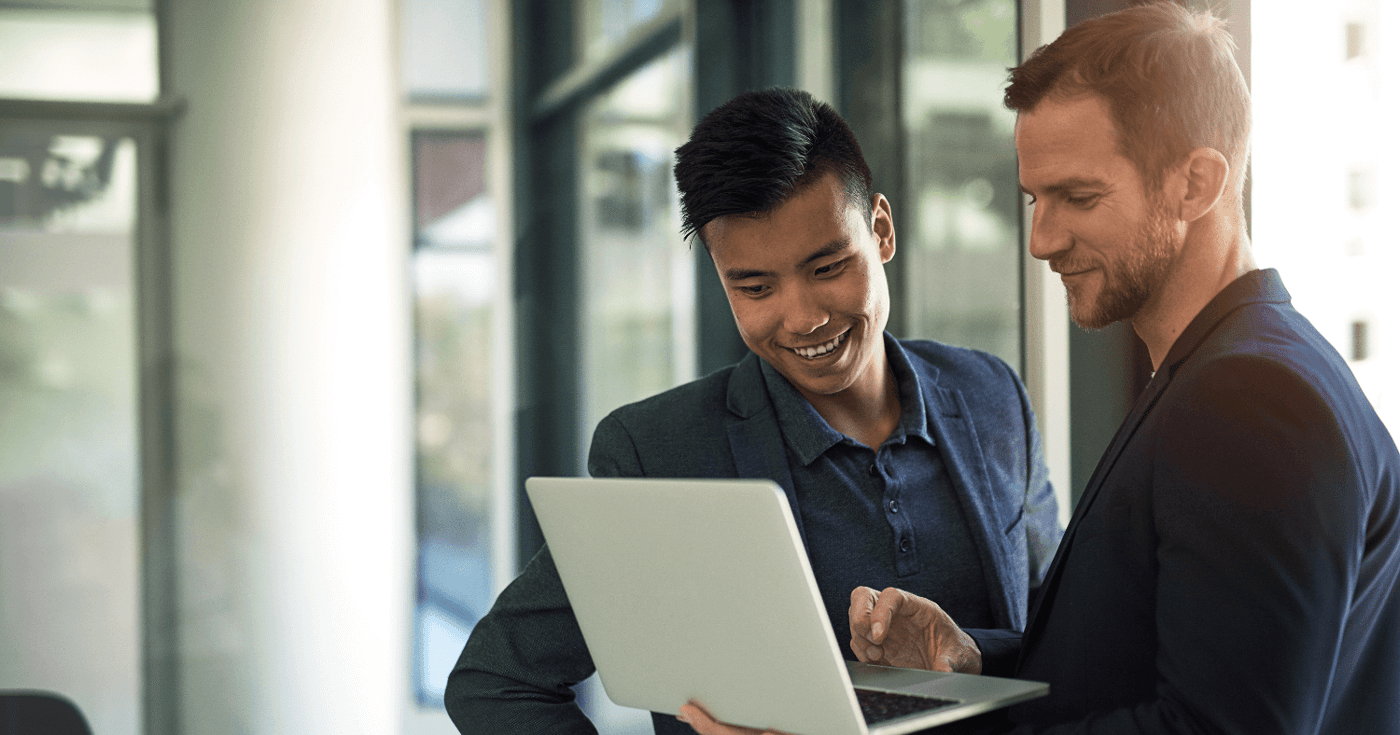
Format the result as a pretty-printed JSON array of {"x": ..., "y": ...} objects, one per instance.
[{"x": 295, "y": 293}]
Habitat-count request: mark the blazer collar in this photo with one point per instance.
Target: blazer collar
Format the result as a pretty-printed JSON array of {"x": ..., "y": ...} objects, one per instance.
[
  {"x": 747, "y": 395},
  {"x": 1254, "y": 287},
  {"x": 755, "y": 440}
]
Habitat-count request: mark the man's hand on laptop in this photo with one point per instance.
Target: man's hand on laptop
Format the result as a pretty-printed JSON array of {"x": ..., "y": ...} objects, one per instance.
[
  {"x": 897, "y": 628},
  {"x": 699, "y": 720}
]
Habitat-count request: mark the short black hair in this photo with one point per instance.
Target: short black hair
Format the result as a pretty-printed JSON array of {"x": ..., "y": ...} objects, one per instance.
[
  {"x": 754, "y": 152},
  {"x": 1167, "y": 73}
]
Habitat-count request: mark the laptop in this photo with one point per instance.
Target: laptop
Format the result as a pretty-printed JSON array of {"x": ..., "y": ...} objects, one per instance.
[{"x": 701, "y": 589}]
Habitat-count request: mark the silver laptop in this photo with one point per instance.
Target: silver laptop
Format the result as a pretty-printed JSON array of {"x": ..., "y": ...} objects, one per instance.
[{"x": 701, "y": 589}]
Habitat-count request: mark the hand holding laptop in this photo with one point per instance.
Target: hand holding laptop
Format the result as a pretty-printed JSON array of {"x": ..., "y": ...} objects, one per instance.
[
  {"x": 901, "y": 629},
  {"x": 704, "y": 724}
]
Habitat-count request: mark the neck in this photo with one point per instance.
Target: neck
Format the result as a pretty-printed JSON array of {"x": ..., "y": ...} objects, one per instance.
[
  {"x": 1215, "y": 252},
  {"x": 868, "y": 411}
]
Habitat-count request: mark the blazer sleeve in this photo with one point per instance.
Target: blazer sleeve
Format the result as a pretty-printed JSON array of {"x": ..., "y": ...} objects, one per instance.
[
  {"x": 517, "y": 670},
  {"x": 1258, "y": 510},
  {"x": 1001, "y": 648},
  {"x": 1043, "y": 529}
]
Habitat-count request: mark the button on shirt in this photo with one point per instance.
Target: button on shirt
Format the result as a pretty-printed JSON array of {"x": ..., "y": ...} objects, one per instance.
[{"x": 880, "y": 518}]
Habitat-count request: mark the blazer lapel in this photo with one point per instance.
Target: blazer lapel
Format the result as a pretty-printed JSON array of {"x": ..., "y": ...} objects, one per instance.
[
  {"x": 962, "y": 454},
  {"x": 756, "y": 441},
  {"x": 1125, "y": 432}
]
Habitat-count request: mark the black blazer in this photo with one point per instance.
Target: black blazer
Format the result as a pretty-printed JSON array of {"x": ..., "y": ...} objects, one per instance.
[
  {"x": 1231, "y": 566},
  {"x": 516, "y": 669}
]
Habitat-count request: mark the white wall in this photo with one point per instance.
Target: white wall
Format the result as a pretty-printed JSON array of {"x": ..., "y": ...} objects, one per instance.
[{"x": 289, "y": 240}]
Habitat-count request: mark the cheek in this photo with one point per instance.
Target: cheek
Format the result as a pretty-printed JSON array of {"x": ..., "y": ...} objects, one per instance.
[
  {"x": 870, "y": 292},
  {"x": 749, "y": 316}
]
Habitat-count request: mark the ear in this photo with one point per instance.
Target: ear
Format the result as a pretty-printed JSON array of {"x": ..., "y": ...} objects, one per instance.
[
  {"x": 882, "y": 224},
  {"x": 1203, "y": 178}
]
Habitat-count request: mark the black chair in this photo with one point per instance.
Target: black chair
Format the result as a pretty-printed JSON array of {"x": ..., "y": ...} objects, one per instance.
[{"x": 39, "y": 713}]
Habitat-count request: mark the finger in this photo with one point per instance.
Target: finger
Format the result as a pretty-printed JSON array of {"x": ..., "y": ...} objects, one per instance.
[
  {"x": 699, "y": 720},
  {"x": 704, "y": 723},
  {"x": 862, "y": 601},
  {"x": 865, "y": 652},
  {"x": 889, "y": 604}
]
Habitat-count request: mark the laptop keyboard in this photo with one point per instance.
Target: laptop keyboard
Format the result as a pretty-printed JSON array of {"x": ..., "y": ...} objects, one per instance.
[{"x": 879, "y": 706}]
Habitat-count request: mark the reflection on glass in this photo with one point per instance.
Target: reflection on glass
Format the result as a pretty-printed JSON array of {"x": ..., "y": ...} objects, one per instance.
[
  {"x": 637, "y": 322},
  {"x": 454, "y": 274},
  {"x": 103, "y": 56},
  {"x": 638, "y": 276},
  {"x": 1325, "y": 170},
  {"x": 606, "y": 23},
  {"x": 69, "y": 554},
  {"x": 445, "y": 49},
  {"x": 962, "y": 217}
]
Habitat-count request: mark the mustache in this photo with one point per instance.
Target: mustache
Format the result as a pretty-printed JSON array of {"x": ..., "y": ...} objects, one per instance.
[{"x": 1063, "y": 263}]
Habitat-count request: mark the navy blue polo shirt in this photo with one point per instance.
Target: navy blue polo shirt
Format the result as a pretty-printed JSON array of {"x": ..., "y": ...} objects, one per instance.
[{"x": 880, "y": 518}]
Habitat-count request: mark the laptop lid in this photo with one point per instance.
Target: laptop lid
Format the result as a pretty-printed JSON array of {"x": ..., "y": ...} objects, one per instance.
[{"x": 701, "y": 589}]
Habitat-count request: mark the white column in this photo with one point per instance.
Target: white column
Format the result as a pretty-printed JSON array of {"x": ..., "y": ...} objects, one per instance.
[
  {"x": 289, "y": 232},
  {"x": 1047, "y": 316}
]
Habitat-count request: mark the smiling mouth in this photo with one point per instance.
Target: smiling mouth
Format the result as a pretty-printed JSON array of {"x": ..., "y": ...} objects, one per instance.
[{"x": 821, "y": 350}]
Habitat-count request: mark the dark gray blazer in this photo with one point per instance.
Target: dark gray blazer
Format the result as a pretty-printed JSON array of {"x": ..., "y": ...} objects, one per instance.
[{"x": 515, "y": 671}]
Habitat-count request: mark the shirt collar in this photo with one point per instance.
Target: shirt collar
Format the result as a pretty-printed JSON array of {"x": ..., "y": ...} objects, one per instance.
[{"x": 808, "y": 435}]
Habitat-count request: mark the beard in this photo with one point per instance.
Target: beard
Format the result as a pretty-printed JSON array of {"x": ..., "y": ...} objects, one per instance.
[{"x": 1130, "y": 278}]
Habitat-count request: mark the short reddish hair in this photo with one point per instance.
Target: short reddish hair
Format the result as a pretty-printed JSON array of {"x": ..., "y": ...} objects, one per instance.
[{"x": 1168, "y": 75}]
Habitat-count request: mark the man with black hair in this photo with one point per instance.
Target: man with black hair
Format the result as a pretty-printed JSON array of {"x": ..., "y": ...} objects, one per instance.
[
  {"x": 1232, "y": 564},
  {"x": 905, "y": 462}
]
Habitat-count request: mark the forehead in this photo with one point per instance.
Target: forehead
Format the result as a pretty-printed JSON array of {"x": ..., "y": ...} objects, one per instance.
[
  {"x": 1059, "y": 140},
  {"x": 809, "y": 220}
]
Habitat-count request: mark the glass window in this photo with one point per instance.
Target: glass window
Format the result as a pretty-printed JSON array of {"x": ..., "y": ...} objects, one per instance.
[
  {"x": 446, "y": 54},
  {"x": 456, "y": 280},
  {"x": 69, "y": 531},
  {"x": 604, "y": 24},
  {"x": 1325, "y": 158},
  {"x": 103, "y": 56},
  {"x": 960, "y": 231},
  {"x": 637, "y": 322}
]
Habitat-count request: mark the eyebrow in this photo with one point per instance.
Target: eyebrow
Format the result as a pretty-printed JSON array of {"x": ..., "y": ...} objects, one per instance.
[
  {"x": 1066, "y": 185},
  {"x": 832, "y": 248}
]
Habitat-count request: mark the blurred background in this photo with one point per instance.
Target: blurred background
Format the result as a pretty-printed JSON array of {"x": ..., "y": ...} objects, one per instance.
[{"x": 294, "y": 294}]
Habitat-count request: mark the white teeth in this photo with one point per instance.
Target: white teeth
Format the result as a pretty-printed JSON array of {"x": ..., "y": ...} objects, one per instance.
[{"x": 819, "y": 350}]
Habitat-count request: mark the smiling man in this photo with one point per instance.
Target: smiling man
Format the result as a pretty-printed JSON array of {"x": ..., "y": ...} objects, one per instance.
[
  {"x": 1232, "y": 565},
  {"x": 906, "y": 463}
]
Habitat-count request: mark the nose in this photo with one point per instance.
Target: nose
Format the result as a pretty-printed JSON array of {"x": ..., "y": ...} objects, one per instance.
[
  {"x": 803, "y": 311},
  {"x": 1047, "y": 237}
]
